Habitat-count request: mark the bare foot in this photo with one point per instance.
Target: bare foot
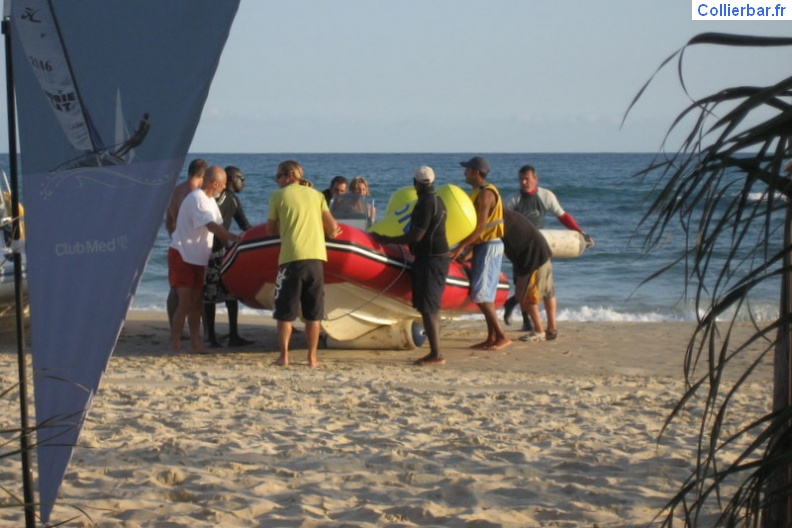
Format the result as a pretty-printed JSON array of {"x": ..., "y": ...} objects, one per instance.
[
  {"x": 282, "y": 361},
  {"x": 312, "y": 361},
  {"x": 430, "y": 360},
  {"x": 484, "y": 345},
  {"x": 199, "y": 350},
  {"x": 500, "y": 343}
]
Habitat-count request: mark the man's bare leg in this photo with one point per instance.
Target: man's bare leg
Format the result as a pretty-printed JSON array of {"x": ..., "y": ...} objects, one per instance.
[
  {"x": 284, "y": 336},
  {"x": 536, "y": 319},
  {"x": 194, "y": 322},
  {"x": 312, "y": 330},
  {"x": 183, "y": 300},
  {"x": 496, "y": 337},
  {"x": 551, "y": 305},
  {"x": 172, "y": 304},
  {"x": 484, "y": 345},
  {"x": 431, "y": 322}
]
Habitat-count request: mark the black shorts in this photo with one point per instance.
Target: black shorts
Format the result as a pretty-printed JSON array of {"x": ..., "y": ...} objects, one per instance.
[
  {"x": 428, "y": 283},
  {"x": 300, "y": 284},
  {"x": 214, "y": 289}
]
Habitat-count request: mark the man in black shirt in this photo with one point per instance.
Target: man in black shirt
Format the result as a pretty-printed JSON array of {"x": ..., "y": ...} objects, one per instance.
[{"x": 429, "y": 245}]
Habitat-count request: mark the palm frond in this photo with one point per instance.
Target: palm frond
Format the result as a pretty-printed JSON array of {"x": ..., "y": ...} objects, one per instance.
[{"x": 725, "y": 190}]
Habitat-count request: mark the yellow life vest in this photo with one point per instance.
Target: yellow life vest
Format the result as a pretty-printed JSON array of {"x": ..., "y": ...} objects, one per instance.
[{"x": 495, "y": 228}]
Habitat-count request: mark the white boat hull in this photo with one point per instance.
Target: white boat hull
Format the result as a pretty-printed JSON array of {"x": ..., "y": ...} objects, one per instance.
[{"x": 362, "y": 318}]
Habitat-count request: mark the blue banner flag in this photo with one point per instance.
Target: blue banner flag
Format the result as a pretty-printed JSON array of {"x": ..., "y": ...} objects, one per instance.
[{"x": 109, "y": 95}]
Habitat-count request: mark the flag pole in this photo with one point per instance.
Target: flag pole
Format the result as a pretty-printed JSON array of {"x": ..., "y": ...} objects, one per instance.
[{"x": 24, "y": 438}]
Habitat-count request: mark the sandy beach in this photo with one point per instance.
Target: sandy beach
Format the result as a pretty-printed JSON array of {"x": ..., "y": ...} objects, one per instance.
[{"x": 562, "y": 433}]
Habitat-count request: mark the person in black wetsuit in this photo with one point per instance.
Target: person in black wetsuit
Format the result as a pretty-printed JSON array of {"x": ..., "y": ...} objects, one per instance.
[
  {"x": 214, "y": 291},
  {"x": 429, "y": 245}
]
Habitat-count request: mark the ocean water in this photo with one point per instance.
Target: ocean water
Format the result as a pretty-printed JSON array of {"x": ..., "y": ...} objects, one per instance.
[{"x": 604, "y": 284}]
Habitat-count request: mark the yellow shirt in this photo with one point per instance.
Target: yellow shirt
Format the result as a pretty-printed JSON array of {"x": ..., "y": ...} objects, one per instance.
[
  {"x": 495, "y": 226},
  {"x": 298, "y": 210}
]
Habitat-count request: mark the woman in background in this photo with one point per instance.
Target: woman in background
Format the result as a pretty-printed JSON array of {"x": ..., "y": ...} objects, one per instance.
[{"x": 359, "y": 185}]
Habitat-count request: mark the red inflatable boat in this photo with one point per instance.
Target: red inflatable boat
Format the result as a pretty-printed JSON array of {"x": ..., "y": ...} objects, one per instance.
[{"x": 367, "y": 287}]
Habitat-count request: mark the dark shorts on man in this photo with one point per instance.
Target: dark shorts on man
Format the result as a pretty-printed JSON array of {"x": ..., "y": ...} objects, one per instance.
[
  {"x": 300, "y": 284},
  {"x": 214, "y": 289},
  {"x": 428, "y": 280}
]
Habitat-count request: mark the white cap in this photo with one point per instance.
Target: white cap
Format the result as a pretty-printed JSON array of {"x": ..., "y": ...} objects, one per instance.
[{"x": 424, "y": 174}]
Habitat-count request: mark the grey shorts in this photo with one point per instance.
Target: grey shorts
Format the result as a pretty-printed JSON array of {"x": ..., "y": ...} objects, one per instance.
[{"x": 536, "y": 287}]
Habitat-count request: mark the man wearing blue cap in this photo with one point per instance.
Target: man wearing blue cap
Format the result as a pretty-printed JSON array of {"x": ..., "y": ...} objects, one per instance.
[{"x": 487, "y": 249}]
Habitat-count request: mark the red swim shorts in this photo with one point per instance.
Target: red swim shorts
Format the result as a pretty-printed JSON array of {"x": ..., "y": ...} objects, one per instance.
[{"x": 183, "y": 274}]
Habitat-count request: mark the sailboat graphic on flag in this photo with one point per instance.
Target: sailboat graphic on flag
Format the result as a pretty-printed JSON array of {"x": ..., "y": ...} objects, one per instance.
[{"x": 44, "y": 47}]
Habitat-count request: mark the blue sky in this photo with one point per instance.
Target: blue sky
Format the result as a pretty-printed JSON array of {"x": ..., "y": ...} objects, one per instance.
[{"x": 463, "y": 75}]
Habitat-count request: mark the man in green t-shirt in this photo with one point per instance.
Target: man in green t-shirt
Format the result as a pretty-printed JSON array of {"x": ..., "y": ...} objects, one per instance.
[{"x": 299, "y": 214}]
